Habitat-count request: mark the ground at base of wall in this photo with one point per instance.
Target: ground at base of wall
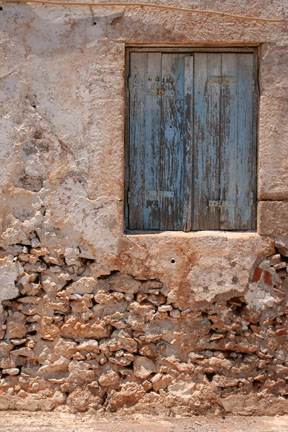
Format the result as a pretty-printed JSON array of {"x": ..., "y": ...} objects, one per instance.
[{"x": 64, "y": 422}]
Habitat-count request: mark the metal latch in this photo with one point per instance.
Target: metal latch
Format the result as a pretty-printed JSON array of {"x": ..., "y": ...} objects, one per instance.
[
  {"x": 161, "y": 92},
  {"x": 222, "y": 79},
  {"x": 220, "y": 204}
]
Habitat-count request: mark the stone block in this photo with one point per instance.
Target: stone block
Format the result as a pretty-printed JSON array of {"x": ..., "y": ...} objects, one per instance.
[
  {"x": 9, "y": 270},
  {"x": 143, "y": 367},
  {"x": 273, "y": 218},
  {"x": 281, "y": 244},
  {"x": 273, "y": 69},
  {"x": 273, "y": 148}
]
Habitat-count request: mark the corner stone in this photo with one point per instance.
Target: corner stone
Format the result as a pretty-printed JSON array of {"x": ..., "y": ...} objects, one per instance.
[{"x": 272, "y": 217}]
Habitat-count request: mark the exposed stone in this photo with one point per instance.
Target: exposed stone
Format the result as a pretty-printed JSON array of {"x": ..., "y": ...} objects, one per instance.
[
  {"x": 182, "y": 390},
  {"x": 124, "y": 283},
  {"x": 143, "y": 367},
  {"x": 80, "y": 400},
  {"x": 84, "y": 285},
  {"x": 281, "y": 244},
  {"x": 280, "y": 266},
  {"x": 160, "y": 381},
  {"x": 18, "y": 341},
  {"x": 149, "y": 350},
  {"x": 89, "y": 345},
  {"x": 122, "y": 340},
  {"x": 60, "y": 365},
  {"x": 102, "y": 297},
  {"x": 79, "y": 364},
  {"x": 7, "y": 402},
  {"x": 30, "y": 404},
  {"x": 129, "y": 394},
  {"x": 224, "y": 382},
  {"x": 9, "y": 271},
  {"x": 109, "y": 378},
  {"x": 73, "y": 328},
  {"x": 15, "y": 327},
  {"x": 51, "y": 284},
  {"x": 11, "y": 372},
  {"x": 59, "y": 398}
]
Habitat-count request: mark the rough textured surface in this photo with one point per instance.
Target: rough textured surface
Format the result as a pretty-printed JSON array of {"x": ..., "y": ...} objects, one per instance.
[
  {"x": 91, "y": 422},
  {"x": 273, "y": 177},
  {"x": 112, "y": 340},
  {"x": 273, "y": 217},
  {"x": 96, "y": 319},
  {"x": 8, "y": 274}
]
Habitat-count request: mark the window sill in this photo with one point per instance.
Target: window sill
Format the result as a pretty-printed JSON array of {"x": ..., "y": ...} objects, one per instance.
[{"x": 192, "y": 234}]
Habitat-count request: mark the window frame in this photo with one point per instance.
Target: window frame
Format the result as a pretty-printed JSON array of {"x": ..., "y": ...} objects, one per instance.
[{"x": 255, "y": 113}]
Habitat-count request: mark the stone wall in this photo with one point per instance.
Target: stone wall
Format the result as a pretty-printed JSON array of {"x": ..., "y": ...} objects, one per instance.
[{"x": 92, "y": 317}]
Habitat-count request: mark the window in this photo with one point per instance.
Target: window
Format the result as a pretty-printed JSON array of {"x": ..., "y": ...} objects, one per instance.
[{"x": 191, "y": 140}]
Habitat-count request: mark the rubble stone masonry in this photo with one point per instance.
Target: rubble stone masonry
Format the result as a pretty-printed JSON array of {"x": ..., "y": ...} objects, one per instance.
[{"x": 92, "y": 317}]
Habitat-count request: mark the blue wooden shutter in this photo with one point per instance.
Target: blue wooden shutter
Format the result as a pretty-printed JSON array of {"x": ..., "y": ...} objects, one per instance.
[
  {"x": 192, "y": 149},
  {"x": 160, "y": 87},
  {"x": 144, "y": 149},
  {"x": 237, "y": 146},
  {"x": 206, "y": 140},
  {"x": 224, "y": 179}
]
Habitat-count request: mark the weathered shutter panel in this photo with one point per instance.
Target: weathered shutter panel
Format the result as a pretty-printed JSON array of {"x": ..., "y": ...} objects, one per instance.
[
  {"x": 237, "y": 173},
  {"x": 158, "y": 108},
  {"x": 206, "y": 140},
  {"x": 224, "y": 189},
  {"x": 137, "y": 109},
  {"x": 172, "y": 141},
  {"x": 151, "y": 142},
  {"x": 188, "y": 144},
  {"x": 145, "y": 127}
]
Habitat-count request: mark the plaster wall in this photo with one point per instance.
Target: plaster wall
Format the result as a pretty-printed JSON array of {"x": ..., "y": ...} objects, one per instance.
[{"x": 63, "y": 246}]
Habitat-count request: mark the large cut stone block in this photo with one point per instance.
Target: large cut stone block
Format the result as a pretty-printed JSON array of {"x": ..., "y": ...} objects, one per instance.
[
  {"x": 273, "y": 149},
  {"x": 273, "y": 217}
]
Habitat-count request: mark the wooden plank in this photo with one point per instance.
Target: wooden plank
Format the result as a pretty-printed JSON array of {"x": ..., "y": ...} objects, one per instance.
[
  {"x": 254, "y": 141},
  {"x": 237, "y": 178},
  {"x": 192, "y": 49},
  {"x": 145, "y": 110},
  {"x": 152, "y": 158},
  {"x": 188, "y": 144},
  {"x": 137, "y": 109},
  {"x": 206, "y": 140},
  {"x": 172, "y": 141},
  {"x": 126, "y": 142}
]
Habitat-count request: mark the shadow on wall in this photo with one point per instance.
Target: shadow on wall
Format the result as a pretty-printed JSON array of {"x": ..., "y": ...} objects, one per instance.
[{"x": 42, "y": 33}]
